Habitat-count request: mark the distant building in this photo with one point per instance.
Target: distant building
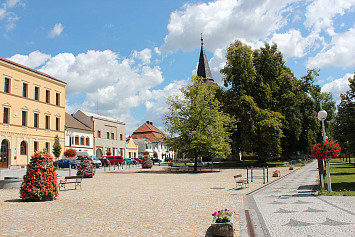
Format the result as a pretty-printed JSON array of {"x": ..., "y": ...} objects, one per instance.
[
  {"x": 203, "y": 69},
  {"x": 32, "y": 112},
  {"x": 149, "y": 138},
  {"x": 109, "y": 133},
  {"x": 131, "y": 148},
  {"x": 78, "y": 136}
]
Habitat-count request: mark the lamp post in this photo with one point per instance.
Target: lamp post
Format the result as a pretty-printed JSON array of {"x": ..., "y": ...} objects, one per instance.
[
  {"x": 69, "y": 134},
  {"x": 322, "y": 115}
]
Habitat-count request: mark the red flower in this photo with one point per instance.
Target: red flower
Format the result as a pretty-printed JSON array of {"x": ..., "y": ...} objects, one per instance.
[{"x": 326, "y": 150}]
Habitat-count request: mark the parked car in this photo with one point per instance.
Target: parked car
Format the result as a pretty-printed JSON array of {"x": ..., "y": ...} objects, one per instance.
[
  {"x": 104, "y": 161},
  {"x": 96, "y": 161},
  {"x": 64, "y": 163},
  {"x": 137, "y": 160},
  {"x": 127, "y": 161},
  {"x": 115, "y": 160}
]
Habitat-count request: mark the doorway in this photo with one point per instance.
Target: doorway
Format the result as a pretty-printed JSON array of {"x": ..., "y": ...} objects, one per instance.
[{"x": 4, "y": 154}]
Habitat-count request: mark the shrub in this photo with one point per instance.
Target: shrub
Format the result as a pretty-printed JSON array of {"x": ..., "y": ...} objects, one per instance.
[
  {"x": 40, "y": 183},
  {"x": 86, "y": 168}
]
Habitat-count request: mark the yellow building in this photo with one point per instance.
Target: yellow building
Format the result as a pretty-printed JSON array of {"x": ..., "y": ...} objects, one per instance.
[
  {"x": 131, "y": 148},
  {"x": 32, "y": 112}
]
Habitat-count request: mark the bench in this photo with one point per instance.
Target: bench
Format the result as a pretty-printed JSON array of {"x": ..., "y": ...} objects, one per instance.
[
  {"x": 240, "y": 181},
  {"x": 76, "y": 180}
]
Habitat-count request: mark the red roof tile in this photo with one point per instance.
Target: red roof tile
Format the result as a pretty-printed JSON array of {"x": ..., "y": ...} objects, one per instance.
[{"x": 148, "y": 131}]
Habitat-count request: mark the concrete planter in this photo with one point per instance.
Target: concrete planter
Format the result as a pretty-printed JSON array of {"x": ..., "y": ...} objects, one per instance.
[
  {"x": 222, "y": 229},
  {"x": 11, "y": 182}
]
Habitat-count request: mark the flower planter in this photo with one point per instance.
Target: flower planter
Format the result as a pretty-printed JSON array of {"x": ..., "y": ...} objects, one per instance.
[
  {"x": 276, "y": 175},
  {"x": 222, "y": 229}
]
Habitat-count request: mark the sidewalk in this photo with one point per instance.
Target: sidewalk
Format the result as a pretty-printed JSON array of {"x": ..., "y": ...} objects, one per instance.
[{"x": 290, "y": 207}]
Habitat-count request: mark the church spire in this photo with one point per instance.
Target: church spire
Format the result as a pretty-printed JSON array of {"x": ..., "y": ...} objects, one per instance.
[{"x": 203, "y": 69}]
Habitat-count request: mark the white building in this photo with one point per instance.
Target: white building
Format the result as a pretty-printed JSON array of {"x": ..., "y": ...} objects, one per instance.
[{"x": 78, "y": 136}]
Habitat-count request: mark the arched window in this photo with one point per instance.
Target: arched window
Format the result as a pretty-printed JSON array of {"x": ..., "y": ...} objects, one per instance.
[
  {"x": 23, "y": 150},
  {"x": 76, "y": 140},
  {"x": 87, "y": 141},
  {"x": 82, "y": 141}
]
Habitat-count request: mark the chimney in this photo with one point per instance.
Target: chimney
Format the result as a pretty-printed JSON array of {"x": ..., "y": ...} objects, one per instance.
[
  {"x": 147, "y": 122},
  {"x": 151, "y": 123}
]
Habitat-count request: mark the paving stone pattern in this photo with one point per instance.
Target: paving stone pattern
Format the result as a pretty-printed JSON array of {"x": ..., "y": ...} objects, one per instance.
[{"x": 290, "y": 207}]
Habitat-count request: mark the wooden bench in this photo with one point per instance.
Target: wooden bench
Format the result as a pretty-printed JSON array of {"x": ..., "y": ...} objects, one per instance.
[
  {"x": 240, "y": 181},
  {"x": 76, "y": 180}
]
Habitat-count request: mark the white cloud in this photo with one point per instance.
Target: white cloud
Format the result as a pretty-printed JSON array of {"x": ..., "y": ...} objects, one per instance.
[
  {"x": 33, "y": 60},
  {"x": 320, "y": 13},
  {"x": 340, "y": 53},
  {"x": 221, "y": 22},
  {"x": 293, "y": 44},
  {"x": 8, "y": 15},
  {"x": 338, "y": 86},
  {"x": 108, "y": 85},
  {"x": 56, "y": 31},
  {"x": 145, "y": 55}
]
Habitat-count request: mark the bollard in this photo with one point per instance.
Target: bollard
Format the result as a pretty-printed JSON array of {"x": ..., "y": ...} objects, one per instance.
[
  {"x": 263, "y": 174},
  {"x": 267, "y": 174},
  {"x": 251, "y": 171},
  {"x": 247, "y": 175}
]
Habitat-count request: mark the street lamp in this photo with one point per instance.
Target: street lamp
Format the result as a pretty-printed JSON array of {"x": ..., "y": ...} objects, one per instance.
[
  {"x": 322, "y": 115},
  {"x": 69, "y": 134}
]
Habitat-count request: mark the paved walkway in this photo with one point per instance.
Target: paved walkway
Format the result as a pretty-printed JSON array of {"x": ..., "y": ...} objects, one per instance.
[{"x": 290, "y": 207}]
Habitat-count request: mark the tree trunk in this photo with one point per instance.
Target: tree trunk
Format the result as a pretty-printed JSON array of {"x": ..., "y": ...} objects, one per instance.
[{"x": 195, "y": 166}]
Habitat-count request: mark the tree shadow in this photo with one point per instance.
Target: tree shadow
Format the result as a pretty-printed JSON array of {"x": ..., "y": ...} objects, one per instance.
[{"x": 350, "y": 186}]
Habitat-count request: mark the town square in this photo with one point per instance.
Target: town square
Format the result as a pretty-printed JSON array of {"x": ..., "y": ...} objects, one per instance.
[{"x": 177, "y": 118}]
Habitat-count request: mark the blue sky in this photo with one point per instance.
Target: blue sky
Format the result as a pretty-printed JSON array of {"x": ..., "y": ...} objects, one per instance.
[{"x": 123, "y": 59}]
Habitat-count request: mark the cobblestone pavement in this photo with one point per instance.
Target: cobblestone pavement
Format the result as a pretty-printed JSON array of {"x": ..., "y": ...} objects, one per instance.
[
  {"x": 129, "y": 202},
  {"x": 290, "y": 207}
]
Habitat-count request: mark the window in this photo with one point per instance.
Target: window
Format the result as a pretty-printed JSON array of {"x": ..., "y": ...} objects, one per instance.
[
  {"x": 24, "y": 118},
  {"x": 87, "y": 141},
  {"x": 36, "y": 93},
  {"x": 6, "y": 118},
  {"x": 57, "y": 99},
  {"x": 23, "y": 148},
  {"x": 48, "y": 96},
  {"x": 82, "y": 141},
  {"x": 121, "y": 137},
  {"x": 7, "y": 85},
  {"x": 35, "y": 120},
  {"x": 47, "y": 122},
  {"x": 112, "y": 136},
  {"x": 57, "y": 124},
  {"x": 24, "y": 89},
  {"x": 76, "y": 140},
  {"x": 108, "y": 135},
  {"x": 47, "y": 146},
  {"x": 35, "y": 146},
  {"x": 98, "y": 133}
]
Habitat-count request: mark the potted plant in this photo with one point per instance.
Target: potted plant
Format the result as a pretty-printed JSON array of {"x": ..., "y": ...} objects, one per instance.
[
  {"x": 222, "y": 223},
  {"x": 326, "y": 150},
  {"x": 146, "y": 162},
  {"x": 70, "y": 152},
  {"x": 40, "y": 182},
  {"x": 276, "y": 173},
  {"x": 86, "y": 168},
  {"x": 108, "y": 153}
]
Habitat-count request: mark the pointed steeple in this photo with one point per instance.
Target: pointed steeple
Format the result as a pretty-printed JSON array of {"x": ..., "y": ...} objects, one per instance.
[{"x": 203, "y": 69}]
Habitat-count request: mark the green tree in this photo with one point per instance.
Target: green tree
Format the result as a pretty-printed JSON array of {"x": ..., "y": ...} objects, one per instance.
[
  {"x": 195, "y": 124},
  {"x": 271, "y": 106},
  {"x": 345, "y": 119},
  {"x": 57, "y": 148}
]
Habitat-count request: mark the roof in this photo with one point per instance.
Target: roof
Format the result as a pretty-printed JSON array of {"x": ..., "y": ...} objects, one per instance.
[
  {"x": 71, "y": 122},
  {"x": 148, "y": 131},
  {"x": 30, "y": 69},
  {"x": 203, "y": 69},
  {"x": 101, "y": 117}
]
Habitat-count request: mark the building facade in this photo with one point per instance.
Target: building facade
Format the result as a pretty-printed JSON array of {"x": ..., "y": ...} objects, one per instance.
[
  {"x": 109, "y": 133},
  {"x": 151, "y": 139},
  {"x": 131, "y": 148},
  {"x": 78, "y": 136},
  {"x": 32, "y": 112}
]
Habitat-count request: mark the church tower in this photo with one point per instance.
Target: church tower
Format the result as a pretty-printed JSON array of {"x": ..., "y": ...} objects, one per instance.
[{"x": 203, "y": 70}]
